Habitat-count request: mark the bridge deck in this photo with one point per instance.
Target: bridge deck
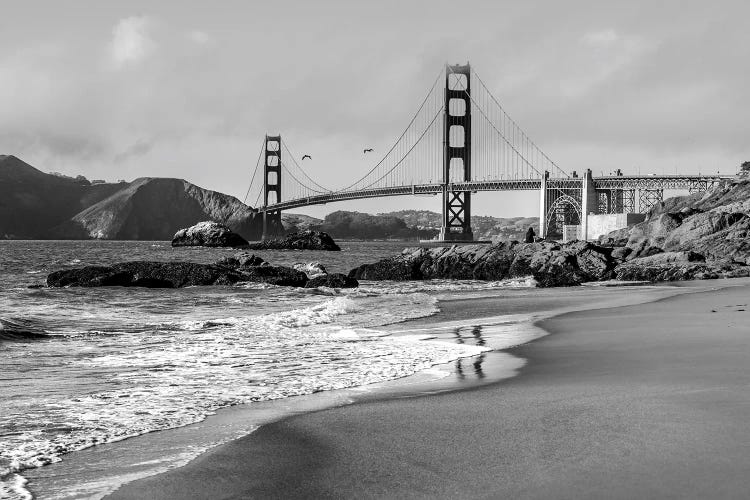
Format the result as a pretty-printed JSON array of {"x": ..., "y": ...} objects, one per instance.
[{"x": 618, "y": 182}]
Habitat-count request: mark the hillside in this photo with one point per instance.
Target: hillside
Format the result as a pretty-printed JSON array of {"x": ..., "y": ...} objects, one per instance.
[
  {"x": 405, "y": 224},
  {"x": 485, "y": 227},
  {"x": 34, "y": 204}
]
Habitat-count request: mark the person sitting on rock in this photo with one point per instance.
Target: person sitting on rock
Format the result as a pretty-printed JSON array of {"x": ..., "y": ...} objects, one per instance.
[{"x": 529, "y": 236}]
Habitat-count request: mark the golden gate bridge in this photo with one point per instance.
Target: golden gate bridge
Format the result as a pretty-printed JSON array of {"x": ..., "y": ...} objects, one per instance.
[{"x": 461, "y": 141}]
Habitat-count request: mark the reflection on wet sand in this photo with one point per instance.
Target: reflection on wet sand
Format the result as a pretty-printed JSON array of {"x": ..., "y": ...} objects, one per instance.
[{"x": 473, "y": 336}]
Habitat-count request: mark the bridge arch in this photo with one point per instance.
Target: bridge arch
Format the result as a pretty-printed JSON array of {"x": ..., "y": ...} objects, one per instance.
[{"x": 564, "y": 211}]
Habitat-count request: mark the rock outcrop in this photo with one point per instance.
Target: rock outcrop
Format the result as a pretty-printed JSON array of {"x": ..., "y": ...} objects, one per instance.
[
  {"x": 304, "y": 240},
  {"x": 208, "y": 234},
  {"x": 699, "y": 236},
  {"x": 242, "y": 267},
  {"x": 550, "y": 264},
  {"x": 334, "y": 280},
  {"x": 146, "y": 274}
]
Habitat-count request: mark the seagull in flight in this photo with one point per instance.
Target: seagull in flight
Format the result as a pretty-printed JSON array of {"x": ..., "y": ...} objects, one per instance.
[
  {"x": 306, "y": 156},
  {"x": 369, "y": 150}
]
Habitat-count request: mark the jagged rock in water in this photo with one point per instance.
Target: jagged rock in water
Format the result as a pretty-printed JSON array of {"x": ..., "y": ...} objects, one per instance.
[
  {"x": 549, "y": 263},
  {"x": 146, "y": 274},
  {"x": 242, "y": 259},
  {"x": 175, "y": 275},
  {"x": 305, "y": 240},
  {"x": 274, "y": 275},
  {"x": 255, "y": 269},
  {"x": 311, "y": 269},
  {"x": 208, "y": 234},
  {"x": 333, "y": 280}
]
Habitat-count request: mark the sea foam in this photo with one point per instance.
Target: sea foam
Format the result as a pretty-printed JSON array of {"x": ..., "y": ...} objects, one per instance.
[{"x": 175, "y": 373}]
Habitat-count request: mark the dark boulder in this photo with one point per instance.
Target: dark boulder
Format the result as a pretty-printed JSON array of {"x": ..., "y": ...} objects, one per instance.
[
  {"x": 174, "y": 275},
  {"x": 146, "y": 274},
  {"x": 392, "y": 268},
  {"x": 241, "y": 260},
  {"x": 303, "y": 240},
  {"x": 208, "y": 234},
  {"x": 255, "y": 269},
  {"x": 275, "y": 275},
  {"x": 549, "y": 263},
  {"x": 334, "y": 280}
]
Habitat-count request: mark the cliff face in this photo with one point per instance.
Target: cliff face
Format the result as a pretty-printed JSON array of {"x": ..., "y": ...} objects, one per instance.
[
  {"x": 32, "y": 202},
  {"x": 154, "y": 209},
  {"x": 38, "y": 205}
]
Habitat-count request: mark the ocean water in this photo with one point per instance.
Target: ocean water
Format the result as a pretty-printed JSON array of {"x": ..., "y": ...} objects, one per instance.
[{"x": 83, "y": 367}]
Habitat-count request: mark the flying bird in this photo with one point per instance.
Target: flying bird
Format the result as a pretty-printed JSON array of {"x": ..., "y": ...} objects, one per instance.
[
  {"x": 368, "y": 150},
  {"x": 307, "y": 156}
]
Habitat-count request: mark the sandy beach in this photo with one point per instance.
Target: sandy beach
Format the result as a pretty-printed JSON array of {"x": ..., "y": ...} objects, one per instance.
[{"x": 640, "y": 401}]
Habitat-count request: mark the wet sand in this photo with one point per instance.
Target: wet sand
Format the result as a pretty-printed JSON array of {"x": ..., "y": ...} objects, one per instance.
[{"x": 636, "y": 401}]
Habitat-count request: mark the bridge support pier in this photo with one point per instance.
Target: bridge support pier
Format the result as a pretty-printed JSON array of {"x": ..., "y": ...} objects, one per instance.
[
  {"x": 457, "y": 154},
  {"x": 272, "y": 186},
  {"x": 543, "y": 207}
]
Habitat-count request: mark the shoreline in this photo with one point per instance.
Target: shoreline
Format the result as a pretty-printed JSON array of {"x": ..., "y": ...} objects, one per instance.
[{"x": 207, "y": 460}]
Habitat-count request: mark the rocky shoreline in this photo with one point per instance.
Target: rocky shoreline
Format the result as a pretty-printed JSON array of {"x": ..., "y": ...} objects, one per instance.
[{"x": 700, "y": 236}]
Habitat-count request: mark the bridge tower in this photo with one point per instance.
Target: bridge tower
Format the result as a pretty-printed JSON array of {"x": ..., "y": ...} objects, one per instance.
[
  {"x": 272, "y": 186},
  {"x": 457, "y": 154}
]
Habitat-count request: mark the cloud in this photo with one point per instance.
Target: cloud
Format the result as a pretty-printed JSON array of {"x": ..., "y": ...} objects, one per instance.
[
  {"x": 131, "y": 41},
  {"x": 600, "y": 38},
  {"x": 140, "y": 148},
  {"x": 199, "y": 37}
]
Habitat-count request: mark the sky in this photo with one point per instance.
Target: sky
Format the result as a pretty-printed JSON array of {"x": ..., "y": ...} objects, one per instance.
[{"x": 125, "y": 89}]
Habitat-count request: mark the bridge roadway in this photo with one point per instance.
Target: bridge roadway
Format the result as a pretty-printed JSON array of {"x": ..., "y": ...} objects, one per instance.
[{"x": 650, "y": 182}]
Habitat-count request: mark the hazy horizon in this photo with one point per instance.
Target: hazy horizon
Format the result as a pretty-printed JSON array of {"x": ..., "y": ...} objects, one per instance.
[{"x": 121, "y": 90}]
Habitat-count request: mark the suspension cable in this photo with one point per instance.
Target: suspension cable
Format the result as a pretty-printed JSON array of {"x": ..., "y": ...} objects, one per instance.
[
  {"x": 437, "y": 79},
  {"x": 301, "y": 169},
  {"x": 409, "y": 151},
  {"x": 288, "y": 171},
  {"x": 517, "y": 126},
  {"x": 255, "y": 172}
]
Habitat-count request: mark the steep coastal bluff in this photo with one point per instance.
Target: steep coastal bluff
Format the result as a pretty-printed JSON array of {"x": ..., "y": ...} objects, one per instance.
[
  {"x": 700, "y": 236},
  {"x": 34, "y": 204}
]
